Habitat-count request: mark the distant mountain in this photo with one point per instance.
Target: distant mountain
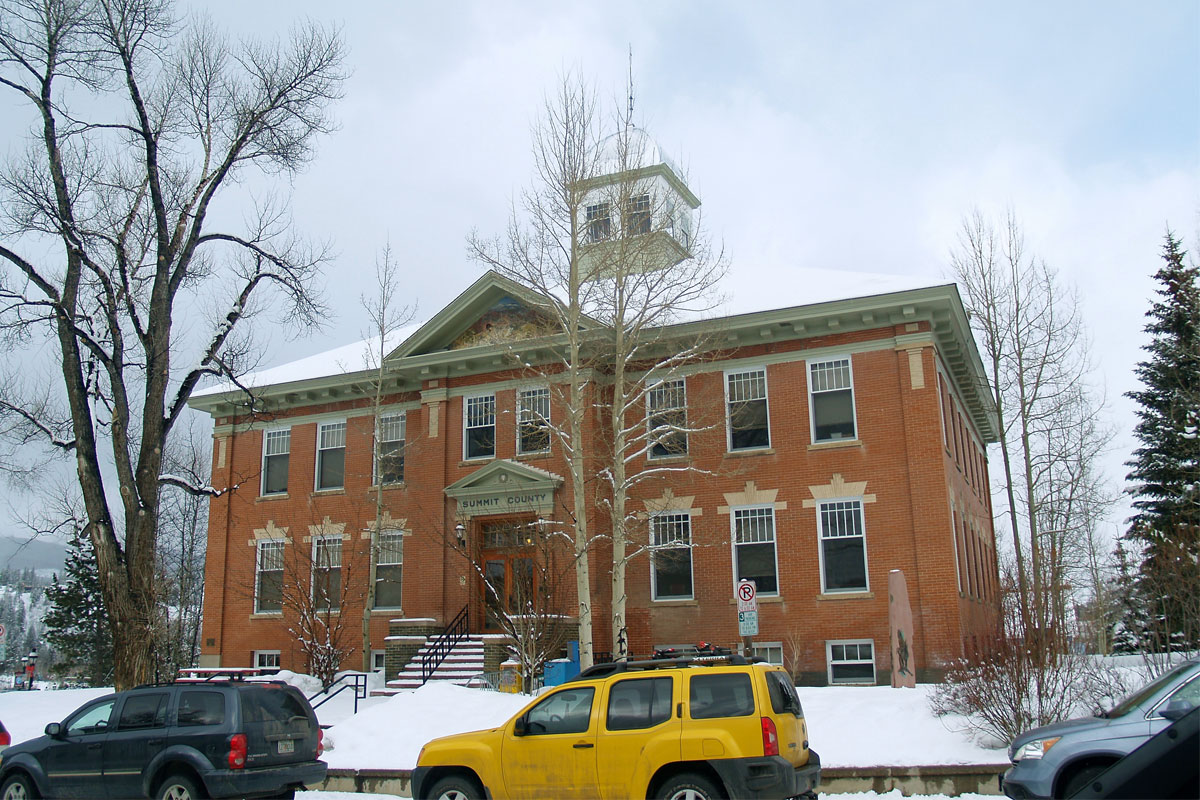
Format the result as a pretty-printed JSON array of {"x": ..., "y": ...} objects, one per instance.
[{"x": 37, "y": 553}]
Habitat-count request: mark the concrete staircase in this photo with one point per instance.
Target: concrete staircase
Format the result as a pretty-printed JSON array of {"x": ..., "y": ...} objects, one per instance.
[{"x": 463, "y": 662}]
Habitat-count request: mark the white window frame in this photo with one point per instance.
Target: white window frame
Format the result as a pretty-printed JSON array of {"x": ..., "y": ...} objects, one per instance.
[
  {"x": 466, "y": 419},
  {"x": 687, "y": 519},
  {"x": 829, "y": 644},
  {"x": 377, "y": 552},
  {"x": 734, "y": 543},
  {"x": 535, "y": 416},
  {"x": 652, "y": 412},
  {"x": 258, "y": 570},
  {"x": 862, "y": 515},
  {"x": 378, "y": 660},
  {"x": 637, "y": 212},
  {"x": 385, "y": 425},
  {"x": 321, "y": 449},
  {"x": 312, "y": 581},
  {"x": 261, "y": 655},
  {"x": 768, "y": 646},
  {"x": 729, "y": 409},
  {"x": 268, "y": 437},
  {"x": 812, "y": 410},
  {"x": 598, "y": 214}
]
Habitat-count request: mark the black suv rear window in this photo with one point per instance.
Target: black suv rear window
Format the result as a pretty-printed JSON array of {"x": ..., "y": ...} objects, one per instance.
[
  {"x": 638, "y": 703},
  {"x": 271, "y": 704},
  {"x": 713, "y": 696},
  {"x": 784, "y": 699},
  {"x": 201, "y": 708}
]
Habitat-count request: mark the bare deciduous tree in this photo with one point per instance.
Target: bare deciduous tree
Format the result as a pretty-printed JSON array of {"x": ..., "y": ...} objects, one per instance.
[{"x": 140, "y": 123}]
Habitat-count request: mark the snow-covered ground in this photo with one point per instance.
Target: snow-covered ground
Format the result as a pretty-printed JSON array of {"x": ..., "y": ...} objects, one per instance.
[{"x": 848, "y": 726}]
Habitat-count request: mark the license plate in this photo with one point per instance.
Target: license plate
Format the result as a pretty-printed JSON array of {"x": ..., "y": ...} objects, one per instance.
[{"x": 286, "y": 746}]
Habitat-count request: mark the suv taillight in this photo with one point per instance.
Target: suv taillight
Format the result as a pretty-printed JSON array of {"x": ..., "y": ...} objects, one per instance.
[
  {"x": 320, "y": 742},
  {"x": 237, "y": 751},
  {"x": 5, "y": 739},
  {"x": 770, "y": 737}
]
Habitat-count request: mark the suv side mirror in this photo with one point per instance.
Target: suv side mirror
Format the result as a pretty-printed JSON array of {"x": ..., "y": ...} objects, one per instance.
[
  {"x": 519, "y": 727},
  {"x": 54, "y": 730},
  {"x": 1176, "y": 709}
]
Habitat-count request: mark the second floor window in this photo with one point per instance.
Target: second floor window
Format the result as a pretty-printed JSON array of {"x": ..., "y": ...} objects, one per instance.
[
  {"x": 276, "y": 446},
  {"x": 533, "y": 420},
  {"x": 327, "y": 573},
  {"x": 389, "y": 465},
  {"x": 843, "y": 547},
  {"x": 637, "y": 215},
  {"x": 671, "y": 556},
  {"x": 754, "y": 548},
  {"x": 599, "y": 223},
  {"x": 746, "y": 395},
  {"x": 268, "y": 577},
  {"x": 831, "y": 396},
  {"x": 479, "y": 427},
  {"x": 331, "y": 455},
  {"x": 389, "y": 569},
  {"x": 666, "y": 417}
]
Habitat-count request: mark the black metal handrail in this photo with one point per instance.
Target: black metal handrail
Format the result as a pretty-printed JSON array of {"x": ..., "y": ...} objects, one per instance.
[
  {"x": 436, "y": 653},
  {"x": 357, "y": 682}
]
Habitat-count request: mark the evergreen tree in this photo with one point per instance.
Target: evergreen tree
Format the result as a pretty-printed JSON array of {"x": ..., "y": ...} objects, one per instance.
[
  {"x": 1165, "y": 469},
  {"x": 77, "y": 624}
]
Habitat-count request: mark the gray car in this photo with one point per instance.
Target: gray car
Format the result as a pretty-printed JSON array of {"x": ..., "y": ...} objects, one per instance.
[{"x": 1060, "y": 759}]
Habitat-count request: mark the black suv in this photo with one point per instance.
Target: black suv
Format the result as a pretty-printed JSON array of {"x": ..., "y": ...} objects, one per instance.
[{"x": 174, "y": 742}]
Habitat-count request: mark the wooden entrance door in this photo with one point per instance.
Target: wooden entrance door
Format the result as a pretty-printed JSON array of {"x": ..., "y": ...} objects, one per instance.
[{"x": 509, "y": 582}]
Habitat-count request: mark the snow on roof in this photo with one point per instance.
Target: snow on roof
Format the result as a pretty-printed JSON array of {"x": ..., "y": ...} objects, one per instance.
[
  {"x": 802, "y": 287},
  {"x": 353, "y": 357}
]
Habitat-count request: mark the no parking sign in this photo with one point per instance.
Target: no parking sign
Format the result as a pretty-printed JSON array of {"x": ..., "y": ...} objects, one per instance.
[{"x": 747, "y": 600}]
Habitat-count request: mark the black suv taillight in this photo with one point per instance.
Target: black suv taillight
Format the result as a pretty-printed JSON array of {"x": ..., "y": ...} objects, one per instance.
[
  {"x": 237, "y": 751},
  {"x": 320, "y": 742},
  {"x": 5, "y": 739}
]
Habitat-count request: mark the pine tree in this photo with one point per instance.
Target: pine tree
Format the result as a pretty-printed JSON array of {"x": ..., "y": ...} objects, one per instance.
[
  {"x": 77, "y": 624},
  {"x": 1165, "y": 469}
]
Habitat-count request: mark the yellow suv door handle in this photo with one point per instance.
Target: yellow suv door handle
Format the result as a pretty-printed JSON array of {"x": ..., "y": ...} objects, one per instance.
[{"x": 582, "y": 745}]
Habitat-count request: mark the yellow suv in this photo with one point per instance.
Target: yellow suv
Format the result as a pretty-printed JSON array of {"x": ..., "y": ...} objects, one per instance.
[{"x": 680, "y": 729}]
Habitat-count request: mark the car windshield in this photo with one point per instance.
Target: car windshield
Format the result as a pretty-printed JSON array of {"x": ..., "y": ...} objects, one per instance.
[{"x": 1141, "y": 695}]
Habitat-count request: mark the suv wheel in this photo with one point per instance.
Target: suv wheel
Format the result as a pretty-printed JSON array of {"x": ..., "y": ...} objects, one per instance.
[
  {"x": 1082, "y": 776},
  {"x": 689, "y": 786},
  {"x": 178, "y": 787},
  {"x": 455, "y": 787},
  {"x": 18, "y": 787}
]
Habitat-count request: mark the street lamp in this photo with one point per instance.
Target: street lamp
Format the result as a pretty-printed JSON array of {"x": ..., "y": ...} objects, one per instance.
[
  {"x": 32, "y": 659},
  {"x": 460, "y": 533}
]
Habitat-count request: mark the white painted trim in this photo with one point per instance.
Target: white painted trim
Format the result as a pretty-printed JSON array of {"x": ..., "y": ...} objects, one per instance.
[
  {"x": 862, "y": 510},
  {"x": 733, "y": 543},
  {"x": 729, "y": 418},
  {"x": 812, "y": 420}
]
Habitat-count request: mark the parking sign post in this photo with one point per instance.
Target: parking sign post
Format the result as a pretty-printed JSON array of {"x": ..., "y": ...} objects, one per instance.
[{"x": 746, "y": 595}]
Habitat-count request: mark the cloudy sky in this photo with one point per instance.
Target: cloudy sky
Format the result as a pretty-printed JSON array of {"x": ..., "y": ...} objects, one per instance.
[{"x": 848, "y": 136}]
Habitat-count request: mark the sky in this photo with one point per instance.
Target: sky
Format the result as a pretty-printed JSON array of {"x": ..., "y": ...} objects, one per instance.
[{"x": 851, "y": 137}]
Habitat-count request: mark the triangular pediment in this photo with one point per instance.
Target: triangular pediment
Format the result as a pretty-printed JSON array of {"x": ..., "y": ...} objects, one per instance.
[
  {"x": 503, "y": 476},
  {"x": 494, "y": 310}
]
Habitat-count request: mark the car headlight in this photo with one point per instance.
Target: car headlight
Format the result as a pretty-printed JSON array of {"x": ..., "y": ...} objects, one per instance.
[{"x": 1035, "y": 749}]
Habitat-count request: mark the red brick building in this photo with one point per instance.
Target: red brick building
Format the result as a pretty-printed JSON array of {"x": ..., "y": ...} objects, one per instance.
[{"x": 829, "y": 444}]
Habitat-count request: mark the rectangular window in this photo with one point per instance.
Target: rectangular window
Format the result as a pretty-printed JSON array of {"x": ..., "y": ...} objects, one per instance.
[
  {"x": 266, "y": 659},
  {"x": 327, "y": 573},
  {"x": 389, "y": 569},
  {"x": 331, "y": 455},
  {"x": 638, "y": 703},
  {"x": 831, "y": 397},
  {"x": 533, "y": 420},
  {"x": 276, "y": 446},
  {"x": 843, "y": 546},
  {"x": 389, "y": 443},
  {"x": 714, "y": 696},
  {"x": 637, "y": 215},
  {"x": 671, "y": 556},
  {"x": 378, "y": 660},
  {"x": 143, "y": 711},
  {"x": 771, "y": 652},
  {"x": 666, "y": 418},
  {"x": 200, "y": 708},
  {"x": 746, "y": 397},
  {"x": 851, "y": 661},
  {"x": 479, "y": 426},
  {"x": 599, "y": 223},
  {"x": 754, "y": 548},
  {"x": 268, "y": 577}
]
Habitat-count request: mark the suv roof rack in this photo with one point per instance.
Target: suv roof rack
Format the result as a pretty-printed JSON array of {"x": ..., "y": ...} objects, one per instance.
[
  {"x": 612, "y": 668},
  {"x": 222, "y": 674}
]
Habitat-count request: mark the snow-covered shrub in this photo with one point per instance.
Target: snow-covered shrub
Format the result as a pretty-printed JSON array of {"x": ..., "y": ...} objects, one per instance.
[{"x": 1005, "y": 692}]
